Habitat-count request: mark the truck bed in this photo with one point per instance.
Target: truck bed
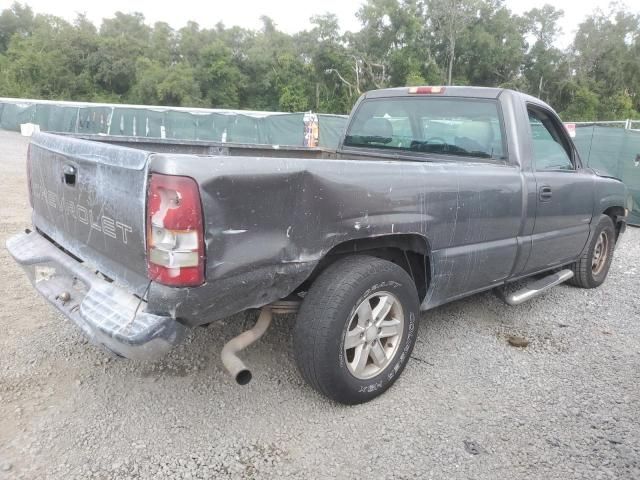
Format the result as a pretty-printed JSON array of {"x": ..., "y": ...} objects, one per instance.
[{"x": 203, "y": 147}]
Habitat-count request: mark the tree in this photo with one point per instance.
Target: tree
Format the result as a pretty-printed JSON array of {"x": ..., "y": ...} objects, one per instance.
[
  {"x": 583, "y": 106},
  {"x": 221, "y": 81},
  {"x": 605, "y": 53},
  {"x": 173, "y": 85},
  {"x": 449, "y": 19},
  {"x": 492, "y": 50},
  {"x": 17, "y": 20},
  {"x": 542, "y": 65},
  {"x": 50, "y": 62},
  {"x": 332, "y": 74},
  {"x": 394, "y": 43},
  {"x": 163, "y": 44},
  {"x": 401, "y": 42}
]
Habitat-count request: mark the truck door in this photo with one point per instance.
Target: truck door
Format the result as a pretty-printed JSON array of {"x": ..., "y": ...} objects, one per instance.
[{"x": 564, "y": 193}]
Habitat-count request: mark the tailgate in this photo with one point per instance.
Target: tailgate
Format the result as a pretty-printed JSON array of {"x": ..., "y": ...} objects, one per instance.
[{"x": 89, "y": 197}]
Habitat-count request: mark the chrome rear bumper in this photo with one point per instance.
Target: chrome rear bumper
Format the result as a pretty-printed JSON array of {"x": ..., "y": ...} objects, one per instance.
[{"x": 108, "y": 314}]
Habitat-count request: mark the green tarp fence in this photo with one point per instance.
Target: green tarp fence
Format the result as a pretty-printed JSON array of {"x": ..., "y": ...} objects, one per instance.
[
  {"x": 614, "y": 151},
  {"x": 273, "y": 128},
  {"x": 331, "y": 129},
  {"x": 609, "y": 149}
]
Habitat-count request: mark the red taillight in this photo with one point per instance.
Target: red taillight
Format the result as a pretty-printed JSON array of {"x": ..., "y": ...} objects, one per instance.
[
  {"x": 175, "y": 238},
  {"x": 29, "y": 175},
  {"x": 425, "y": 90}
]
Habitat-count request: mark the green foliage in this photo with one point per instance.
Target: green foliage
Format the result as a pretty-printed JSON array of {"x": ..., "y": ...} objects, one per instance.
[
  {"x": 401, "y": 42},
  {"x": 17, "y": 20},
  {"x": 220, "y": 79},
  {"x": 493, "y": 49},
  {"x": 156, "y": 84},
  {"x": 584, "y": 105},
  {"x": 617, "y": 106},
  {"x": 414, "y": 79},
  {"x": 293, "y": 99}
]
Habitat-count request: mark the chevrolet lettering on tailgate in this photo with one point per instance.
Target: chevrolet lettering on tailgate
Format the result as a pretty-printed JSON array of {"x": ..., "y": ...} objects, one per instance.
[{"x": 101, "y": 223}]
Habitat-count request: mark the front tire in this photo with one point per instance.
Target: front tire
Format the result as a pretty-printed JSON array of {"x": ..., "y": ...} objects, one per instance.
[
  {"x": 356, "y": 328},
  {"x": 591, "y": 269}
]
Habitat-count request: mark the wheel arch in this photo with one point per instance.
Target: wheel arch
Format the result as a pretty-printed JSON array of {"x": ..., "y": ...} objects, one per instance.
[
  {"x": 409, "y": 251},
  {"x": 615, "y": 213}
]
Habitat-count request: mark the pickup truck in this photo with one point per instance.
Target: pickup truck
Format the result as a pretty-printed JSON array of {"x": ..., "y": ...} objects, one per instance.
[{"x": 433, "y": 194}]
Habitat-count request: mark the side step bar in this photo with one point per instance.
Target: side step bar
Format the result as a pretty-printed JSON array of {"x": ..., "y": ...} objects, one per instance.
[{"x": 536, "y": 288}]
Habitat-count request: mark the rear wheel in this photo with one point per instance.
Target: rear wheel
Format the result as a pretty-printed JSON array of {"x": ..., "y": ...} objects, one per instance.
[
  {"x": 356, "y": 328},
  {"x": 591, "y": 269}
]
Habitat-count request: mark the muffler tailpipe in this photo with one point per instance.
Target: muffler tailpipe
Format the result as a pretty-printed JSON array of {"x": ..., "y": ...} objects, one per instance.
[{"x": 234, "y": 365}]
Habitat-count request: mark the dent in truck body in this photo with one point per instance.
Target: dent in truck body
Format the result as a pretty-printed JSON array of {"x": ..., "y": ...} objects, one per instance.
[{"x": 285, "y": 215}]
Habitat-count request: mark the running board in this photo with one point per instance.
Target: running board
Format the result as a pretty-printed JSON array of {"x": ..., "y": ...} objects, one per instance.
[{"x": 536, "y": 288}]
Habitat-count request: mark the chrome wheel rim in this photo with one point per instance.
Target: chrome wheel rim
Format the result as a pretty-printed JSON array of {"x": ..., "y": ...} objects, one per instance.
[
  {"x": 600, "y": 253},
  {"x": 373, "y": 335}
]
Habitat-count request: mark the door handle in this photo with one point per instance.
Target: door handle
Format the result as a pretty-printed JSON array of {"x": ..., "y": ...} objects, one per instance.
[{"x": 545, "y": 193}]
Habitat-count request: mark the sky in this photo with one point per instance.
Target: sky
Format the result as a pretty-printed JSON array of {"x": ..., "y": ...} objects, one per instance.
[{"x": 289, "y": 15}]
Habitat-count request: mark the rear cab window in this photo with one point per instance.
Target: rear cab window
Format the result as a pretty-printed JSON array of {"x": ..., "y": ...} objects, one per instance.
[{"x": 452, "y": 126}]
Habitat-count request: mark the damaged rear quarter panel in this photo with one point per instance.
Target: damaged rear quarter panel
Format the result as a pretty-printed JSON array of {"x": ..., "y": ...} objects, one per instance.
[{"x": 269, "y": 221}]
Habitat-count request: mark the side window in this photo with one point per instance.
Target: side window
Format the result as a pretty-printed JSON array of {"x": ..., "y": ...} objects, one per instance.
[{"x": 550, "y": 148}]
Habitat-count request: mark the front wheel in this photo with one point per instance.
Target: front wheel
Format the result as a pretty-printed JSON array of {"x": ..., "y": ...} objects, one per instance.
[
  {"x": 591, "y": 269},
  {"x": 356, "y": 328}
]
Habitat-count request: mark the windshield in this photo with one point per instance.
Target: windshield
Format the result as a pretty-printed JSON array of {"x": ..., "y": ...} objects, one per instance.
[{"x": 451, "y": 126}]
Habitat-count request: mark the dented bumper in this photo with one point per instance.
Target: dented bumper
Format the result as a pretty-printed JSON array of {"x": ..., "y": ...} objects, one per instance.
[{"x": 109, "y": 315}]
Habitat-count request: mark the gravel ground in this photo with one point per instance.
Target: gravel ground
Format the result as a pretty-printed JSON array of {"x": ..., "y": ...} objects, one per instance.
[{"x": 468, "y": 405}]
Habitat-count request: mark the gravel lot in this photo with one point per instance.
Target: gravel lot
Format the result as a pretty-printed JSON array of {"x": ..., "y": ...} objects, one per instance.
[{"x": 469, "y": 405}]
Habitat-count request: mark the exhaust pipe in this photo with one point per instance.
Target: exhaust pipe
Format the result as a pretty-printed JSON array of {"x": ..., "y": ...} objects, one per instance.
[{"x": 234, "y": 365}]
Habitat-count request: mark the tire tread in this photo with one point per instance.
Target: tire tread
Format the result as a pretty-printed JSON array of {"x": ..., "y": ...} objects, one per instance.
[
  {"x": 312, "y": 331},
  {"x": 582, "y": 276}
]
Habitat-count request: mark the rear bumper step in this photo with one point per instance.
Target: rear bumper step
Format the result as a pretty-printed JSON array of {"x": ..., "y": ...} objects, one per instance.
[
  {"x": 109, "y": 315},
  {"x": 536, "y": 288}
]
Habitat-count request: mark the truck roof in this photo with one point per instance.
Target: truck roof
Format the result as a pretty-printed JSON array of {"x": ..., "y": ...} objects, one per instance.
[
  {"x": 449, "y": 91},
  {"x": 454, "y": 91}
]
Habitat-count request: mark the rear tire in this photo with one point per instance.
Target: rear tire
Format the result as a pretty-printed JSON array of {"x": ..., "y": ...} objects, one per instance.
[
  {"x": 356, "y": 328},
  {"x": 591, "y": 269}
]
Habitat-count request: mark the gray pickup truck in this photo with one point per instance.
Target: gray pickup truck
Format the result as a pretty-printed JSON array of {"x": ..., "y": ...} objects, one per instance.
[{"x": 433, "y": 194}]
